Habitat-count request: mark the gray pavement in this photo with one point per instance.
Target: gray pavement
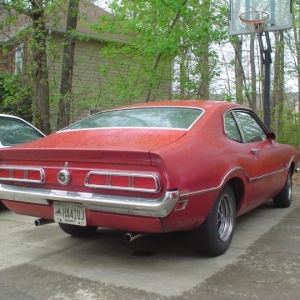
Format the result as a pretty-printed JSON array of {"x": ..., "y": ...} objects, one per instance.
[{"x": 263, "y": 262}]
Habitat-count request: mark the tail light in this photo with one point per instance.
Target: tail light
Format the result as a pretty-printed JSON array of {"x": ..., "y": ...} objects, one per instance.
[
  {"x": 123, "y": 181},
  {"x": 21, "y": 174}
]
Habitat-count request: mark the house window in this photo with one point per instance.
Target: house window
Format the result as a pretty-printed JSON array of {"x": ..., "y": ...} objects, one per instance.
[{"x": 19, "y": 59}]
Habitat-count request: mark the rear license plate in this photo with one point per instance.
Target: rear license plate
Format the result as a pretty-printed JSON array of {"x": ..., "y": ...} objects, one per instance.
[{"x": 69, "y": 213}]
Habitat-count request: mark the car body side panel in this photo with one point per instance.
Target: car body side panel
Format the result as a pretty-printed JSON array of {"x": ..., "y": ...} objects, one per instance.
[
  {"x": 272, "y": 167},
  {"x": 193, "y": 215},
  {"x": 204, "y": 170},
  {"x": 200, "y": 173}
]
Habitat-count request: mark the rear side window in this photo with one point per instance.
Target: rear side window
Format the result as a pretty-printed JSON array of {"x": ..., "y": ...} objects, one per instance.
[
  {"x": 231, "y": 128},
  {"x": 244, "y": 126},
  {"x": 15, "y": 131},
  {"x": 251, "y": 129}
]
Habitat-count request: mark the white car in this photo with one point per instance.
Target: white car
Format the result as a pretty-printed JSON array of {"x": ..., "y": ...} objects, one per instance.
[{"x": 14, "y": 131}]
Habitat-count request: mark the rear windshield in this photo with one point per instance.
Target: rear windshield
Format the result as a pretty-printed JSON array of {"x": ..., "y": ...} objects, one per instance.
[{"x": 150, "y": 117}]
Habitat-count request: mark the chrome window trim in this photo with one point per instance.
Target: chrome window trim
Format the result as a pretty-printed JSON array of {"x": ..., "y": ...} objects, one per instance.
[
  {"x": 130, "y": 176},
  {"x": 248, "y": 111},
  {"x": 25, "y": 169},
  {"x": 116, "y": 128},
  {"x": 147, "y": 128}
]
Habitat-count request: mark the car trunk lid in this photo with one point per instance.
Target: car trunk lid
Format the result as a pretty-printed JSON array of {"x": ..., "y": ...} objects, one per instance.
[{"x": 101, "y": 145}]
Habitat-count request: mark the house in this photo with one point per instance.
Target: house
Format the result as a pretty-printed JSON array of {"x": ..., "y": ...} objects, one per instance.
[{"x": 97, "y": 80}]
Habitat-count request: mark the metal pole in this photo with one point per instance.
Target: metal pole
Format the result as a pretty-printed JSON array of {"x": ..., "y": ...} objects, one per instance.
[
  {"x": 267, "y": 102},
  {"x": 266, "y": 59}
]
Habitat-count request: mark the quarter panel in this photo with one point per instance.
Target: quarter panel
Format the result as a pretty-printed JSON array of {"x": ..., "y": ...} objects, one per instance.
[{"x": 201, "y": 162}]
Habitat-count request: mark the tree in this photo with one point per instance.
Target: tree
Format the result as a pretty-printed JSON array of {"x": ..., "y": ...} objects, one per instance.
[
  {"x": 15, "y": 96},
  {"x": 278, "y": 85},
  {"x": 63, "y": 116},
  {"x": 162, "y": 31},
  {"x": 39, "y": 71},
  {"x": 296, "y": 43},
  {"x": 239, "y": 71},
  {"x": 253, "y": 73},
  {"x": 204, "y": 55},
  {"x": 35, "y": 10}
]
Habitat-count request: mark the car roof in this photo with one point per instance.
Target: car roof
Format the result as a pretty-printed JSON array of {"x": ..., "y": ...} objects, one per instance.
[
  {"x": 203, "y": 104},
  {"x": 208, "y": 106}
]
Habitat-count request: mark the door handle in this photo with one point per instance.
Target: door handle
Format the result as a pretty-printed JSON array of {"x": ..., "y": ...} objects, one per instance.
[{"x": 255, "y": 151}]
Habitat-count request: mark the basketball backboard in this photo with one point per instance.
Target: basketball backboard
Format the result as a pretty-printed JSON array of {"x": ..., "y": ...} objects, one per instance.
[{"x": 279, "y": 14}]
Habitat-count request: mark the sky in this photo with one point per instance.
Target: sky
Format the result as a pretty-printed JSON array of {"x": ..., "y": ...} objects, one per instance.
[{"x": 103, "y": 3}]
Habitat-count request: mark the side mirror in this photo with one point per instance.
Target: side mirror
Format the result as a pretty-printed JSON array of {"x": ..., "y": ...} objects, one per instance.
[{"x": 271, "y": 136}]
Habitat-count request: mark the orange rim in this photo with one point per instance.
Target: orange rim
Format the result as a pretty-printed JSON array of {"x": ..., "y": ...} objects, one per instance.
[{"x": 264, "y": 17}]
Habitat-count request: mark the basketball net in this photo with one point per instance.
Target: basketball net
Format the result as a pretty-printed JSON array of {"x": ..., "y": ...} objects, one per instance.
[{"x": 254, "y": 20}]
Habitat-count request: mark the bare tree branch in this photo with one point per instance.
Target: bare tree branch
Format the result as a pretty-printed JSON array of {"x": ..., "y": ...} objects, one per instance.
[{"x": 7, "y": 6}]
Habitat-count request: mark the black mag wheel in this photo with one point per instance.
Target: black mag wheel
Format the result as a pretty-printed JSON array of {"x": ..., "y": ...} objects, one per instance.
[
  {"x": 78, "y": 231},
  {"x": 214, "y": 236},
  {"x": 284, "y": 198}
]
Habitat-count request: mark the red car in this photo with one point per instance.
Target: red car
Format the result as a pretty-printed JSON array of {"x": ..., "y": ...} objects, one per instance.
[{"x": 152, "y": 168}]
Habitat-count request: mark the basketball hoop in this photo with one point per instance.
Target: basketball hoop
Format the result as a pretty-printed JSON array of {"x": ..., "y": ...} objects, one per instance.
[{"x": 254, "y": 20}]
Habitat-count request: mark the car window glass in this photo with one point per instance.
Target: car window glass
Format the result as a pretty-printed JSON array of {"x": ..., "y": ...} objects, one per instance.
[
  {"x": 231, "y": 128},
  {"x": 252, "y": 130},
  {"x": 15, "y": 131},
  {"x": 150, "y": 117}
]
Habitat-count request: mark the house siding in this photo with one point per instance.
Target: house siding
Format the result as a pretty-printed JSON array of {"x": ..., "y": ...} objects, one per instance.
[
  {"x": 98, "y": 82},
  {"x": 90, "y": 89}
]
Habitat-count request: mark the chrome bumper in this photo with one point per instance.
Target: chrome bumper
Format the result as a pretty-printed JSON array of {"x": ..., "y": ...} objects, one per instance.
[{"x": 147, "y": 207}]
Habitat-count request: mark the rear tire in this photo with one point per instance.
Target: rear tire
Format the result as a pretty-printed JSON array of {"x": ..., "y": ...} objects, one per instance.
[
  {"x": 284, "y": 198},
  {"x": 214, "y": 236},
  {"x": 77, "y": 231},
  {"x": 2, "y": 206}
]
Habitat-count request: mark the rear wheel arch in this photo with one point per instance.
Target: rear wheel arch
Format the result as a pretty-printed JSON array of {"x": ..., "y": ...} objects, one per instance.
[
  {"x": 214, "y": 236},
  {"x": 238, "y": 188},
  {"x": 292, "y": 168},
  {"x": 284, "y": 198}
]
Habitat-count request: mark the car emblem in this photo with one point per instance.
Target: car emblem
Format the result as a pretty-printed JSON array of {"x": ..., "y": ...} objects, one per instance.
[{"x": 63, "y": 177}]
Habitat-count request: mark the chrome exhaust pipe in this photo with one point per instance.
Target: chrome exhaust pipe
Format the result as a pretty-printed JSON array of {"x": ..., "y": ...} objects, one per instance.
[
  {"x": 130, "y": 237},
  {"x": 39, "y": 222}
]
